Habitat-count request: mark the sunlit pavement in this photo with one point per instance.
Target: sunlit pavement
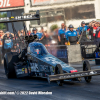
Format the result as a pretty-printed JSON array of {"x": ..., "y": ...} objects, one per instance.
[{"x": 69, "y": 91}]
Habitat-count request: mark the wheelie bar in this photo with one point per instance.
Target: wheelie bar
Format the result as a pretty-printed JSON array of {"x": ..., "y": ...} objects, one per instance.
[{"x": 73, "y": 75}]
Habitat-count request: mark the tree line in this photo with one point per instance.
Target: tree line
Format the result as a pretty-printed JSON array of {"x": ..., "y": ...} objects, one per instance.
[{"x": 2, "y": 25}]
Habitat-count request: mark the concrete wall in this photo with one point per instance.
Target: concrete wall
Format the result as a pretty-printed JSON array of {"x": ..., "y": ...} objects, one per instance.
[
  {"x": 74, "y": 19},
  {"x": 97, "y": 9}
]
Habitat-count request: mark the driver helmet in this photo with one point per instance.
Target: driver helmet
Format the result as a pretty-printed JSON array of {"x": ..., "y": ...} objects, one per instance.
[{"x": 37, "y": 51}]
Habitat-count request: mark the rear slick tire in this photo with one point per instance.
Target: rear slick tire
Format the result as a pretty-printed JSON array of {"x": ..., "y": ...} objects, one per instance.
[{"x": 9, "y": 60}]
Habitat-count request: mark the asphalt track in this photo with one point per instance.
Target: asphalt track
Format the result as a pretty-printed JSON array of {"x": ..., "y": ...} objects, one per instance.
[{"x": 69, "y": 91}]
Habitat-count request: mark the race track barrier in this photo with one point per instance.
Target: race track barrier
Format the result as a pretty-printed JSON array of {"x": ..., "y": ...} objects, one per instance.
[{"x": 71, "y": 53}]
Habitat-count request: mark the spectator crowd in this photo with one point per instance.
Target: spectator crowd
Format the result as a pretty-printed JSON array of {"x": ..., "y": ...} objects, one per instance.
[
  {"x": 10, "y": 42},
  {"x": 83, "y": 33}
]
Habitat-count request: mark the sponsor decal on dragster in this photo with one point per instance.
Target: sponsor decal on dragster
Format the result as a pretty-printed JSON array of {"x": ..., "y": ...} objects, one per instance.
[
  {"x": 45, "y": 68},
  {"x": 56, "y": 61},
  {"x": 21, "y": 71},
  {"x": 34, "y": 67},
  {"x": 78, "y": 75}
]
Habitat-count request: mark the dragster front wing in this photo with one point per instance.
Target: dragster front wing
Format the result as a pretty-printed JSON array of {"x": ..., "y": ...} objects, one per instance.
[{"x": 73, "y": 75}]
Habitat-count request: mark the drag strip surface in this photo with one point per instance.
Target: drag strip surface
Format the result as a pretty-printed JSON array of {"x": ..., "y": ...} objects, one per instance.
[{"x": 69, "y": 91}]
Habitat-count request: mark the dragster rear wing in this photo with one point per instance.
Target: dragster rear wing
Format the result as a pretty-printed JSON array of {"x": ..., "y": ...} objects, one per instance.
[
  {"x": 73, "y": 75},
  {"x": 20, "y": 18}
]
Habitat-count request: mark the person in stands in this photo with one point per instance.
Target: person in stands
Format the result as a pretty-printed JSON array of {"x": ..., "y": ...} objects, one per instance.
[
  {"x": 94, "y": 29},
  {"x": 97, "y": 37},
  {"x": 28, "y": 33},
  {"x": 82, "y": 28},
  {"x": 61, "y": 34},
  {"x": 82, "y": 31},
  {"x": 15, "y": 49},
  {"x": 20, "y": 39},
  {"x": 46, "y": 38},
  {"x": 91, "y": 31},
  {"x": 71, "y": 35},
  {"x": 7, "y": 39},
  {"x": 1, "y": 33}
]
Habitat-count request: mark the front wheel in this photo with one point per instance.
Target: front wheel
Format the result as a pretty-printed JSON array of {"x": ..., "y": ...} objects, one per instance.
[
  {"x": 86, "y": 67},
  {"x": 58, "y": 70}
]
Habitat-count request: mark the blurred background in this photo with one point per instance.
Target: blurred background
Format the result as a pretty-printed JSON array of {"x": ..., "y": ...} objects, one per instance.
[{"x": 52, "y": 12}]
